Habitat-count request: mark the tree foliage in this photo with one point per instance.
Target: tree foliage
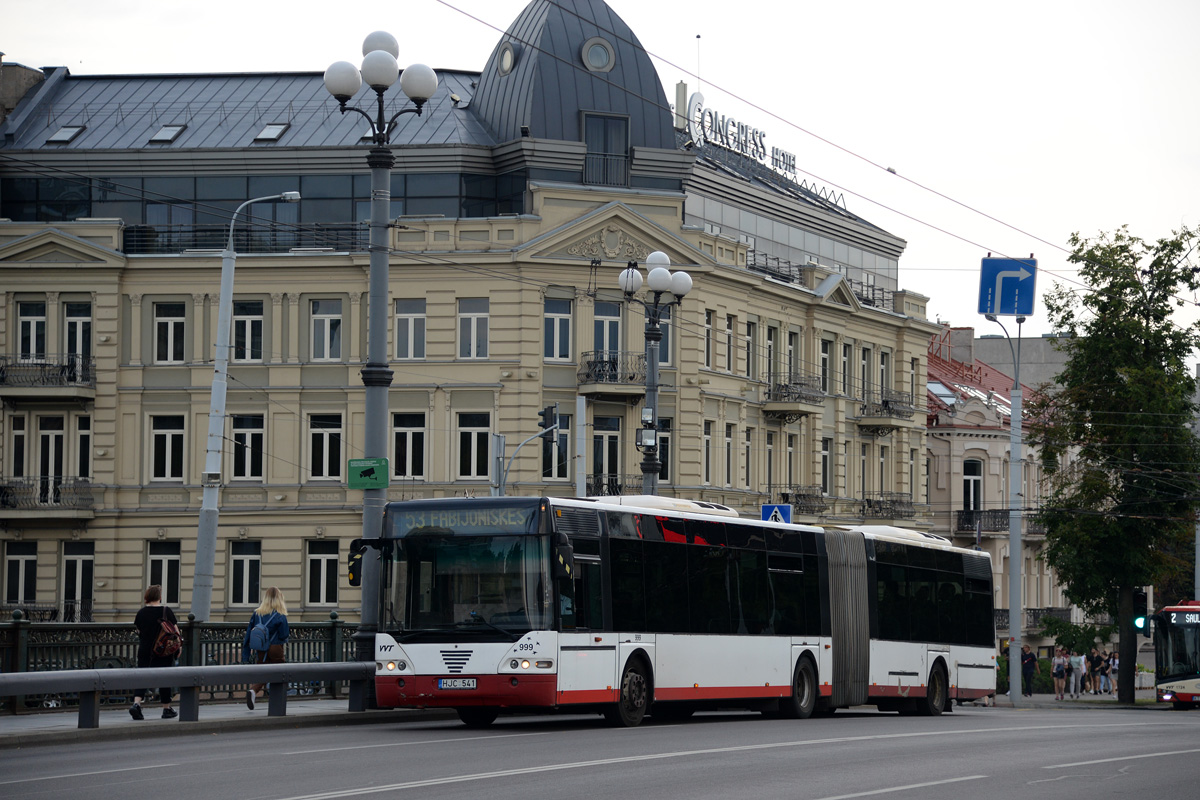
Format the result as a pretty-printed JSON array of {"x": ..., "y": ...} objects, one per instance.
[{"x": 1120, "y": 507}]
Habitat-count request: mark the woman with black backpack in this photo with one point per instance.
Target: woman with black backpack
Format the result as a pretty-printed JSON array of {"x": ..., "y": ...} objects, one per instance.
[
  {"x": 154, "y": 622},
  {"x": 266, "y": 634}
]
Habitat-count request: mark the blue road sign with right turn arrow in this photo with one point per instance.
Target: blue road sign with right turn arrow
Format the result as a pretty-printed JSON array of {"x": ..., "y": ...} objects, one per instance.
[{"x": 1006, "y": 286}]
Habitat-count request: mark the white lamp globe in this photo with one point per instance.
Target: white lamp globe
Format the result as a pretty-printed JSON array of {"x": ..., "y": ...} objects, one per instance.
[
  {"x": 658, "y": 259},
  {"x": 419, "y": 82},
  {"x": 631, "y": 280},
  {"x": 381, "y": 40},
  {"x": 379, "y": 69},
  {"x": 681, "y": 283},
  {"x": 659, "y": 279},
  {"x": 342, "y": 80}
]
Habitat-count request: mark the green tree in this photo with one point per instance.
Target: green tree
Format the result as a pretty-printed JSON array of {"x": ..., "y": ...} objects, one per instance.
[{"x": 1120, "y": 507}]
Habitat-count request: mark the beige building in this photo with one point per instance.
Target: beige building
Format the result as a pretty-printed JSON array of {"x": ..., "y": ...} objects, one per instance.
[{"x": 791, "y": 373}]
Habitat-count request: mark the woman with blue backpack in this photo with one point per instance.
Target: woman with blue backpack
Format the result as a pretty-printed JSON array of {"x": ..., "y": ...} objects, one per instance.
[{"x": 266, "y": 634}]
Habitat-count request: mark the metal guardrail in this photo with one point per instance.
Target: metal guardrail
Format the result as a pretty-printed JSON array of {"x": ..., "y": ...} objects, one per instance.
[{"x": 90, "y": 683}]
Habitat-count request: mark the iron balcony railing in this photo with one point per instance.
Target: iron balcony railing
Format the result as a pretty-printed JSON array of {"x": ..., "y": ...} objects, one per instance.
[
  {"x": 606, "y": 169},
  {"x": 46, "y": 492},
  {"x": 613, "y": 366},
  {"x": 803, "y": 499},
  {"x": 1032, "y": 617},
  {"x": 993, "y": 520},
  {"x": 44, "y": 370},
  {"x": 888, "y": 505},
  {"x": 612, "y": 484},
  {"x": 888, "y": 403},
  {"x": 160, "y": 239},
  {"x": 795, "y": 389}
]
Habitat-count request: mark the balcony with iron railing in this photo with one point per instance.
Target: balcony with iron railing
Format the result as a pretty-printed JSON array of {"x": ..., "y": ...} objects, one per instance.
[
  {"x": 881, "y": 410},
  {"x": 612, "y": 372},
  {"x": 601, "y": 484},
  {"x": 48, "y": 376},
  {"x": 808, "y": 500},
  {"x": 606, "y": 169},
  {"x": 46, "y": 496},
  {"x": 993, "y": 520},
  {"x": 888, "y": 505},
  {"x": 1032, "y": 618},
  {"x": 791, "y": 397}
]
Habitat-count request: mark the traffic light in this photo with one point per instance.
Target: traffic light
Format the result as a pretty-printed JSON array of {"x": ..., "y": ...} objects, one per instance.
[
  {"x": 354, "y": 562},
  {"x": 549, "y": 421},
  {"x": 1140, "y": 611}
]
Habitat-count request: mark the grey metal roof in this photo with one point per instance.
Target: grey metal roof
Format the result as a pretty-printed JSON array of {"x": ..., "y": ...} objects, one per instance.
[{"x": 122, "y": 112}]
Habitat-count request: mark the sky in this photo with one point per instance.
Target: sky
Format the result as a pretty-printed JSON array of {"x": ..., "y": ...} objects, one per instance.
[{"x": 1009, "y": 126}]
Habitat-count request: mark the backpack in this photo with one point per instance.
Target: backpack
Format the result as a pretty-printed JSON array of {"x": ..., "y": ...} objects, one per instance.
[
  {"x": 169, "y": 639},
  {"x": 260, "y": 638}
]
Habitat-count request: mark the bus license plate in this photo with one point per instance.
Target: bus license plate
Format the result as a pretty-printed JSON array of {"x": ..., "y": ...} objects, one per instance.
[{"x": 456, "y": 683}]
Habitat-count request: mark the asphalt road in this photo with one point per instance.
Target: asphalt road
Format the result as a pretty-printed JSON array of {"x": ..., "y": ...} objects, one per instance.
[{"x": 1064, "y": 753}]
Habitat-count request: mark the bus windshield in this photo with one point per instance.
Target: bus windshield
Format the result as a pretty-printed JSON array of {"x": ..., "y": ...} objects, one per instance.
[
  {"x": 490, "y": 586},
  {"x": 1178, "y": 651}
]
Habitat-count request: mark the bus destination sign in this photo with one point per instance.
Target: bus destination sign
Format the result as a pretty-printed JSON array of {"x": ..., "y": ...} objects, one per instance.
[
  {"x": 482, "y": 521},
  {"x": 1185, "y": 617}
]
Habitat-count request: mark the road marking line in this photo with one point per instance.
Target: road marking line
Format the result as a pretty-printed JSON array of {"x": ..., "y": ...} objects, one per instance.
[
  {"x": 84, "y": 774},
  {"x": 410, "y": 744},
  {"x": 891, "y": 789},
  {"x": 1121, "y": 758}
]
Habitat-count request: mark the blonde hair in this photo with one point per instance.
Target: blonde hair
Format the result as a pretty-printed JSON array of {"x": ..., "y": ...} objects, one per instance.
[{"x": 272, "y": 602}]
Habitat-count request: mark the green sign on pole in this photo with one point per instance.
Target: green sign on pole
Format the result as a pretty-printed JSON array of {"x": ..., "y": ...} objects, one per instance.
[{"x": 367, "y": 473}]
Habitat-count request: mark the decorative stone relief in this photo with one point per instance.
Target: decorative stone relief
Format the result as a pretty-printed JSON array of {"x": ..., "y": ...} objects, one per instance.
[{"x": 610, "y": 243}]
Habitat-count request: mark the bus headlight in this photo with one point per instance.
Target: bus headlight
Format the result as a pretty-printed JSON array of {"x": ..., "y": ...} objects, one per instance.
[
  {"x": 524, "y": 665},
  {"x": 391, "y": 666}
]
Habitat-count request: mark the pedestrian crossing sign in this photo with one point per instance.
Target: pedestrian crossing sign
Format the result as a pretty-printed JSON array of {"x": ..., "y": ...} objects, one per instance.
[{"x": 777, "y": 513}]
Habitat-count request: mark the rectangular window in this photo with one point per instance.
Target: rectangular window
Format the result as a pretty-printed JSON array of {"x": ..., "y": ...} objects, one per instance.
[
  {"x": 747, "y": 468},
  {"x": 166, "y": 448},
  {"x": 607, "y": 141},
  {"x": 865, "y": 372},
  {"x": 163, "y": 563},
  {"x": 846, "y": 375},
  {"x": 791, "y": 459},
  {"x": 410, "y": 329},
  {"x": 770, "y": 459},
  {"x": 326, "y": 330},
  {"x": 17, "y": 465},
  {"x": 862, "y": 470},
  {"x": 664, "y": 449},
  {"x": 912, "y": 473},
  {"x": 31, "y": 323},
  {"x": 78, "y": 570},
  {"x": 325, "y": 446},
  {"x": 557, "y": 344},
  {"x": 474, "y": 452},
  {"x": 709, "y": 314},
  {"x": 826, "y": 346},
  {"x": 883, "y": 472},
  {"x": 772, "y": 367},
  {"x": 473, "y": 327},
  {"x": 752, "y": 350},
  {"x": 20, "y": 572},
  {"x": 408, "y": 443},
  {"x": 730, "y": 352},
  {"x": 83, "y": 446},
  {"x": 248, "y": 441},
  {"x": 556, "y": 454},
  {"x": 884, "y": 371},
  {"x": 664, "y": 347},
  {"x": 707, "y": 452},
  {"x": 168, "y": 332},
  {"x": 793, "y": 354},
  {"x": 245, "y": 570},
  {"x": 912, "y": 378},
  {"x": 322, "y": 572},
  {"x": 247, "y": 331},
  {"x": 826, "y": 467},
  {"x": 606, "y": 329},
  {"x": 728, "y": 455}
]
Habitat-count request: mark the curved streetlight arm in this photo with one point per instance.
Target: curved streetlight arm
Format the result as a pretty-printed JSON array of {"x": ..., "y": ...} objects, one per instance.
[{"x": 381, "y": 132}]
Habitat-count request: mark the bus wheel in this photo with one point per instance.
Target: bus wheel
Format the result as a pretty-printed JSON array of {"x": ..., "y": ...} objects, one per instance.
[
  {"x": 935, "y": 695},
  {"x": 477, "y": 717},
  {"x": 804, "y": 692},
  {"x": 629, "y": 709},
  {"x": 1180, "y": 705}
]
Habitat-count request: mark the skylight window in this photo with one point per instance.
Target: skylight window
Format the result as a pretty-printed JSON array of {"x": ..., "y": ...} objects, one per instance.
[
  {"x": 167, "y": 134},
  {"x": 272, "y": 132},
  {"x": 65, "y": 134}
]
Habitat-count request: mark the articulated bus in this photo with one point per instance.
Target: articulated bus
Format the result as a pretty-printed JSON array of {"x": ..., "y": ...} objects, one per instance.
[
  {"x": 631, "y": 606},
  {"x": 1177, "y": 654}
]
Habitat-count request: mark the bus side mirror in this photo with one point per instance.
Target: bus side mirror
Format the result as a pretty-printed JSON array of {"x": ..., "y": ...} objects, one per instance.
[{"x": 564, "y": 557}]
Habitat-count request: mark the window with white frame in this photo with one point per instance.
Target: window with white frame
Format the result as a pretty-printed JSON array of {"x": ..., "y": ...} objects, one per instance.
[
  {"x": 408, "y": 445},
  {"x": 410, "y": 329},
  {"x": 770, "y": 459},
  {"x": 248, "y": 440},
  {"x": 166, "y": 446},
  {"x": 865, "y": 372},
  {"x": 245, "y": 573},
  {"x": 79, "y": 561},
  {"x": 556, "y": 454},
  {"x": 826, "y": 346},
  {"x": 885, "y": 381},
  {"x": 752, "y": 350},
  {"x": 168, "y": 332},
  {"x": 557, "y": 324},
  {"x": 747, "y": 465},
  {"x": 664, "y": 449},
  {"x": 728, "y": 454},
  {"x": 709, "y": 314},
  {"x": 326, "y": 318},
  {"x": 18, "y": 456},
  {"x": 31, "y": 326},
  {"x": 883, "y": 470},
  {"x": 790, "y": 455},
  {"x": 322, "y": 572},
  {"x": 163, "y": 566},
  {"x": 20, "y": 572},
  {"x": 730, "y": 350},
  {"x": 847, "y": 374},
  {"x": 793, "y": 354},
  {"x": 862, "y": 470},
  {"x": 826, "y": 467},
  {"x": 474, "y": 452},
  {"x": 664, "y": 346},
  {"x": 473, "y": 327},
  {"x": 771, "y": 356},
  {"x": 972, "y": 484},
  {"x": 247, "y": 331},
  {"x": 83, "y": 446},
  {"x": 707, "y": 451},
  {"x": 325, "y": 446}
]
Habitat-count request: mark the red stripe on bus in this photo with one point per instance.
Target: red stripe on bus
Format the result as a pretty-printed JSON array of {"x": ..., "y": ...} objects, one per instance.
[{"x": 576, "y": 696}]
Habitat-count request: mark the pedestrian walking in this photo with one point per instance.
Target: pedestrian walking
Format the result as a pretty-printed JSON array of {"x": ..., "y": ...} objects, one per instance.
[
  {"x": 1075, "y": 673},
  {"x": 265, "y": 645},
  {"x": 149, "y": 623},
  {"x": 1114, "y": 663},
  {"x": 1058, "y": 670},
  {"x": 1093, "y": 665},
  {"x": 1029, "y": 666},
  {"x": 1105, "y": 674}
]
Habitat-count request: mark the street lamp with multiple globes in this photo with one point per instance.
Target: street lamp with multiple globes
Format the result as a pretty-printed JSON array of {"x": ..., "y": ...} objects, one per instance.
[
  {"x": 206, "y": 532},
  {"x": 659, "y": 280},
  {"x": 343, "y": 80}
]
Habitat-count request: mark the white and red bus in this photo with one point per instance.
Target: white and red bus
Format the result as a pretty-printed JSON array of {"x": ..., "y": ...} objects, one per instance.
[
  {"x": 1177, "y": 654},
  {"x": 648, "y": 605}
]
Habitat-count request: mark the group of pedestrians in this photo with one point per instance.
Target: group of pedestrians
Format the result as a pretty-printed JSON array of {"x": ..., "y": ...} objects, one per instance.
[
  {"x": 272, "y": 613},
  {"x": 1073, "y": 673}
]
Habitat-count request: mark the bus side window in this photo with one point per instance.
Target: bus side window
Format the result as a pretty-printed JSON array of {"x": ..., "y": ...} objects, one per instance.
[{"x": 589, "y": 608}]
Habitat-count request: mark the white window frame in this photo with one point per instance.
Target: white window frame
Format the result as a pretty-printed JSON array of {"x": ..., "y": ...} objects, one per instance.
[
  {"x": 326, "y": 325},
  {"x": 730, "y": 349},
  {"x": 247, "y": 593},
  {"x": 707, "y": 452},
  {"x": 83, "y": 446},
  {"x": 556, "y": 454},
  {"x": 747, "y": 468},
  {"x": 708, "y": 337},
  {"x": 169, "y": 441},
  {"x": 325, "y": 447},
  {"x": 729, "y": 460},
  {"x": 20, "y": 573},
  {"x": 158, "y": 570},
  {"x": 665, "y": 424},
  {"x": 409, "y": 465},
  {"x": 752, "y": 350},
  {"x": 31, "y": 339},
  {"x": 247, "y": 327},
  {"x": 410, "y": 321},
  {"x": 473, "y": 446},
  {"x": 248, "y": 439},
  {"x": 473, "y": 315},
  {"x": 826, "y": 466},
  {"x": 321, "y": 573},
  {"x": 169, "y": 333},
  {"x": 556, "y": 327}
]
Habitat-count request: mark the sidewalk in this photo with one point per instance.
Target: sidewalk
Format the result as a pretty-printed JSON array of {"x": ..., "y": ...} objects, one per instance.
[
  {"x": 1143, "y": 699},
  {"x": 55, "y": 727}
]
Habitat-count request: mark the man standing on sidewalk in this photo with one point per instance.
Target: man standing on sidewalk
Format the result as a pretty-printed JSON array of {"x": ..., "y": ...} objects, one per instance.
[{"x": 1029, "y": 666}]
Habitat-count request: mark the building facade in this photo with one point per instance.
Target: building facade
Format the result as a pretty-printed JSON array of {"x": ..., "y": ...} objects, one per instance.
[{"x": 792, "y": 372}]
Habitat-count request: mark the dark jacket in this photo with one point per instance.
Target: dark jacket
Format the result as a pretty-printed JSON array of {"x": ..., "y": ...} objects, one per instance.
[{"x": 277, "y": 626}]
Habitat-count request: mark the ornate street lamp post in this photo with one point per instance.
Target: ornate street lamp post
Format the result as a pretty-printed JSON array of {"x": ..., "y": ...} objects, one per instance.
[
  {"x": 343, "y": 80},
  {"x": 660, "y": 280}
]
